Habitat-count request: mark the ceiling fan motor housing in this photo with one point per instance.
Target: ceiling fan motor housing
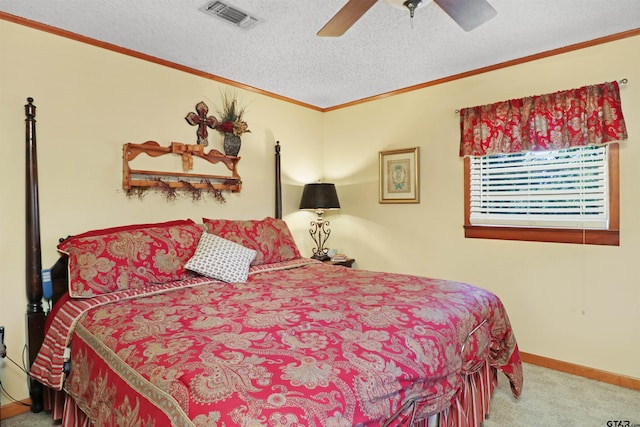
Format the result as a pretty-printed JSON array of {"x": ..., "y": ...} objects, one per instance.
[{"x": 412, "y": 5}]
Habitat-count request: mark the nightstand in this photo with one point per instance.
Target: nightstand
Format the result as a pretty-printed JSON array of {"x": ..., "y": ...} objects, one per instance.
[{"x": 346, "y": 263}]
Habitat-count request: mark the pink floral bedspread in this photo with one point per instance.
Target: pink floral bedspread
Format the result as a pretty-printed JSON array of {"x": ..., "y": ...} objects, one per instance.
[{"x": 316, "y": 345}]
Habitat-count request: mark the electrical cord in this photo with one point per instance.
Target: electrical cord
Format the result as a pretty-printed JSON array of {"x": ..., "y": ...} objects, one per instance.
[
  {"x": 11, "y": 397},
  {"x": 4, "y": 391},
  {"x": 23, "y": 370},
  {"x": 24, "y": 360}
]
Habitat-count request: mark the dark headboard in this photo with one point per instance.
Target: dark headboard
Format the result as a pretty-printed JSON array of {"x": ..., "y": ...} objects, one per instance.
[{"x": 36, "y": 316}]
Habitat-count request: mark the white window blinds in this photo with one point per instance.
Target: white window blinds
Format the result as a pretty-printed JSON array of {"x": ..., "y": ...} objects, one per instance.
[{"x": 561, "y": 188}]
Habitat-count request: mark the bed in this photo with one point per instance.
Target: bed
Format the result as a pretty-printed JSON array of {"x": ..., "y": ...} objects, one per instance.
[{"x": 230, "y": 326}]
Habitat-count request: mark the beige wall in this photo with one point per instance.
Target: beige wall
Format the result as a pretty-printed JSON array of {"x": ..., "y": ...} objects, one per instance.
[
  {"x": 90, "y": 102},
  {"x": 577, "y": 304},
  {"x": 568, "y": 302}
]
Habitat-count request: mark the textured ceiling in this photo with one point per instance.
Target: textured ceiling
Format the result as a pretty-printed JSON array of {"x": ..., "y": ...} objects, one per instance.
[{"x": 382, "y": 52}]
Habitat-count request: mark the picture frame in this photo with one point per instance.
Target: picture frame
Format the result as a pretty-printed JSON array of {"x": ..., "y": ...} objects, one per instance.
[{"x": 399, "y": 176}]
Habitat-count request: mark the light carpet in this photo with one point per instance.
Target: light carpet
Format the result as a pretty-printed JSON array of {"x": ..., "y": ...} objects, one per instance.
[{"x": 551, "y": 398}]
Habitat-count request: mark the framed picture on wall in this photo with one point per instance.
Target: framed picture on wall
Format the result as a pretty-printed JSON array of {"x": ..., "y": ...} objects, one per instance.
[{"x": 399, "y": 176}]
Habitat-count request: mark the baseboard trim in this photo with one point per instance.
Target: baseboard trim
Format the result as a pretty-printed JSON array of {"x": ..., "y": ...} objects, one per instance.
[
  {"x": 12, "y": 409},
  {"x": 582, "y": 371}
]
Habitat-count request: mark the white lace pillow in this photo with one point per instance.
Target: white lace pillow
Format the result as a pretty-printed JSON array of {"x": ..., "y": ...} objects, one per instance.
[{"x": 221, "y": 259}]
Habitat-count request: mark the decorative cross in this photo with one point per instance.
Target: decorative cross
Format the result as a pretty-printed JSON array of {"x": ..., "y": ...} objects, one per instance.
[{"x": 200, "y": 119}]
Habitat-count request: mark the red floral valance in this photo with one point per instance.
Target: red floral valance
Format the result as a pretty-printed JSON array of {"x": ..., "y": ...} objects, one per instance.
[{"x": 585, "y": 116}]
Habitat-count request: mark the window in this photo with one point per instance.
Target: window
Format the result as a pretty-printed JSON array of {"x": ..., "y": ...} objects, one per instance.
[{"x": 566, "y": 196}]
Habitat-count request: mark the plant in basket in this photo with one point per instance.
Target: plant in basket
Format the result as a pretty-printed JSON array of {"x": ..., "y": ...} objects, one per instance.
[{"x": 231, "y": 123}]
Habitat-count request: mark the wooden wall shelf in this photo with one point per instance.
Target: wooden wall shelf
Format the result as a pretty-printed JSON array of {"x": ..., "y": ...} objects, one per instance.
[{"x": 132, "y": 178}]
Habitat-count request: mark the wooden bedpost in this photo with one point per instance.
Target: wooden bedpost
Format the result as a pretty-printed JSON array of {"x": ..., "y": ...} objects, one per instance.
[
  {"x": 278, "y": 183},
  {"x": 35, "y": 317}
]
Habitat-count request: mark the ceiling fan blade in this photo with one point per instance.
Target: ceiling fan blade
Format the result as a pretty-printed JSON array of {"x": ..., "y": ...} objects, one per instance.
[
  {"x": 346, "y": 17},
  {"x": 469, "y": 14}
]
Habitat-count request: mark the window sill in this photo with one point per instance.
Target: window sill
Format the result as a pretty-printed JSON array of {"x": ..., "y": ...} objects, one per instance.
[{"x": 588, "y": 237}]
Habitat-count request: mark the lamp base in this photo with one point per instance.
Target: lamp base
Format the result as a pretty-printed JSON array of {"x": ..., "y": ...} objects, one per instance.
[{"x": 321, "y": 257}]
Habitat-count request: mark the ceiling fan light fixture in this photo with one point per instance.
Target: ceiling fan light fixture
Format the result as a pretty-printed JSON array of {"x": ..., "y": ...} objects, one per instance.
[
  {"x": 408, "y": 4},
  {"x": 412, "y": 5}
]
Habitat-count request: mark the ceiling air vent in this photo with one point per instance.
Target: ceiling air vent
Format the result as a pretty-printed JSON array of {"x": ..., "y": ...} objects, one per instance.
[{"x": 230, "y": 14}]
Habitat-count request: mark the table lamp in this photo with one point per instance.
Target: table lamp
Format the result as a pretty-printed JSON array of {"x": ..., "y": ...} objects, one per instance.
[{"x": 320, "y": 197}]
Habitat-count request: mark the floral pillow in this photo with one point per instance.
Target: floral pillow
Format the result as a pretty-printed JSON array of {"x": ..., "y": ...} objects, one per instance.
[
  {"x": 270, "y": 237},
  {"x": 134, "y": 256}
]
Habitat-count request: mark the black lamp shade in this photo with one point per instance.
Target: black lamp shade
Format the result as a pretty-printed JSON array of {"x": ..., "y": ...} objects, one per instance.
[{"x": 319, "y": 196}]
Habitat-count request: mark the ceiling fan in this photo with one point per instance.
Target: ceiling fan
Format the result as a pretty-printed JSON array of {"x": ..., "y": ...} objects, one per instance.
[{"x": 468, "y": 14}]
